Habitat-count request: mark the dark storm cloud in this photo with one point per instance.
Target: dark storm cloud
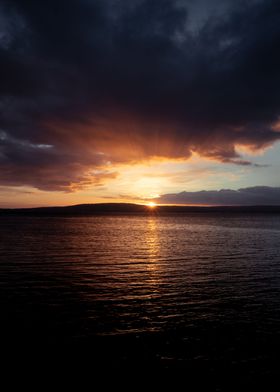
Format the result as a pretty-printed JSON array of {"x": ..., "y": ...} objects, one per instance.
[
  {"x": 119, "y": 81},
  {"x": 259, "y": 195}
]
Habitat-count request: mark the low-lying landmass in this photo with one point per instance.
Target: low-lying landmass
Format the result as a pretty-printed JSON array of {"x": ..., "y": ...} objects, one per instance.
[{"x": 129, "y": 208}]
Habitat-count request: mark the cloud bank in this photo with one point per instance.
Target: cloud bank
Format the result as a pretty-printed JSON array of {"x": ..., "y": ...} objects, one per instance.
[
  {"x": 87, "y": 84},
  {"x": 259, "y": 195}
]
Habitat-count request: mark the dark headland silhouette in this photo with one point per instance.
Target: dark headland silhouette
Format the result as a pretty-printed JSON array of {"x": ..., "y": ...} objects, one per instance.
[{"x": 129, "y": 208}]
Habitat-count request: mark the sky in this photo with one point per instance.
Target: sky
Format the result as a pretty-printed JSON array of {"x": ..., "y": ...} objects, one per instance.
[{"x": 176, "y": 101}]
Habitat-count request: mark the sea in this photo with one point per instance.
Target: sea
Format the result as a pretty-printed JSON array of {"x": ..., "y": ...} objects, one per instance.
[{"x": 199, "y": 292}]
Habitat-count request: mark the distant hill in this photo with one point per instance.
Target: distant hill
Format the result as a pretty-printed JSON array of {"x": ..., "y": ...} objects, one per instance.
[{"x": 128, "y": 208}]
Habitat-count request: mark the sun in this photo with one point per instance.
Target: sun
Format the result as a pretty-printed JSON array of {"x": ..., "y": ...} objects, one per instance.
[{"x": 152, "y": 204}]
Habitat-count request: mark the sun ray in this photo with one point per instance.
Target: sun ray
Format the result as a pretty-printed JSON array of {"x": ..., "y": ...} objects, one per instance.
[{"x": 152, "y": 204}]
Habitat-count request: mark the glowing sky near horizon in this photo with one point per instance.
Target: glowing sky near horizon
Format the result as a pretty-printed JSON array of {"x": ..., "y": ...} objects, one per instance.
[{"x": 141, "y": 183}]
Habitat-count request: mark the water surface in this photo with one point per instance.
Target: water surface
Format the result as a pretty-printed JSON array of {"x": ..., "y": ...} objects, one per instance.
[{"x": 195, "y": 291}]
